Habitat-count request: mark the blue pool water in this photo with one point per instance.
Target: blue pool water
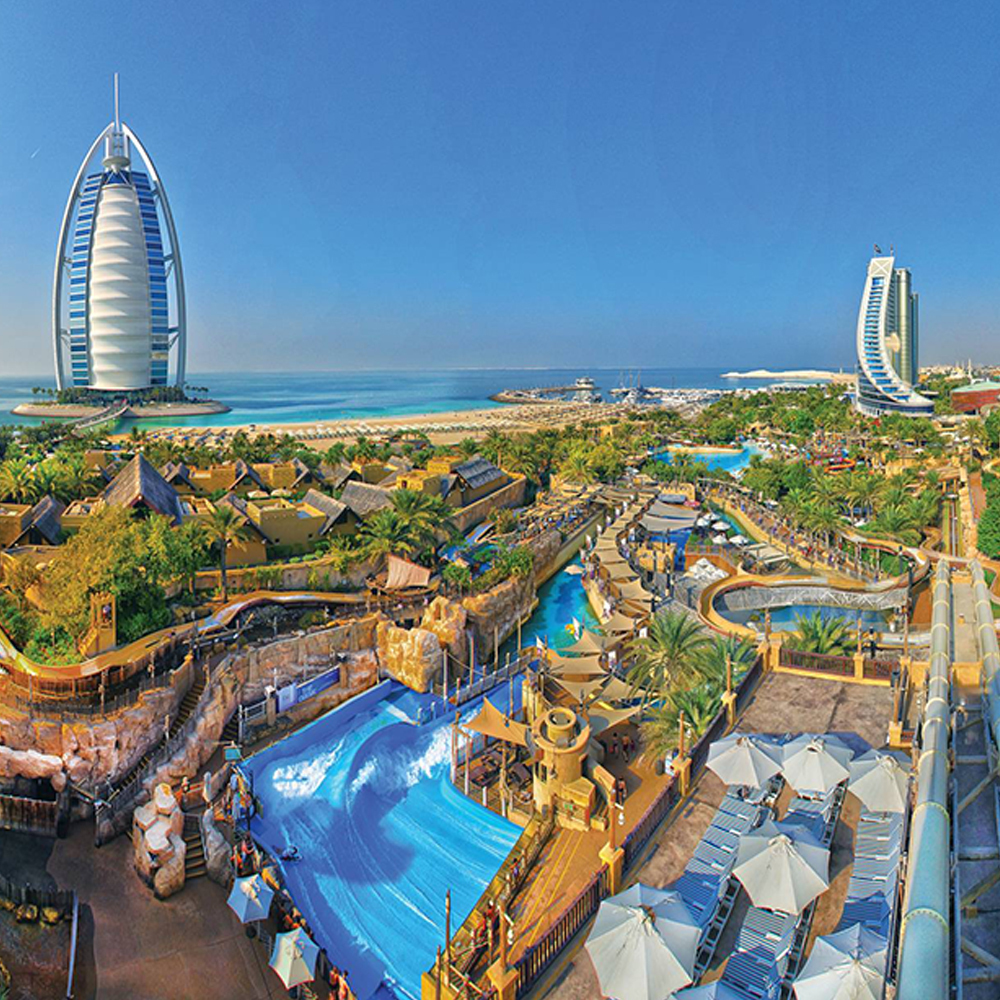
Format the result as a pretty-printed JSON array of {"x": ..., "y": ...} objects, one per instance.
[
  {"x": 366, "y": 797},
  {"x": 560, "y": 600},
  {"x": 730, "y": 461},
  {"x": 785, "y": 619}
]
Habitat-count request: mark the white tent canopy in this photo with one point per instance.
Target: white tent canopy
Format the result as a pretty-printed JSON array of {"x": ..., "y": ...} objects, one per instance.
[
  {"x": 848, "y": 965},
  {"x": 814, "y": 764},
  {"x": 881, "y": 781},
  {"x": 643, "y": 944},
  {"x": 739, "y": 759},
  {"x": 782, "y": 866},
  {"x": 294, "y": 957}
]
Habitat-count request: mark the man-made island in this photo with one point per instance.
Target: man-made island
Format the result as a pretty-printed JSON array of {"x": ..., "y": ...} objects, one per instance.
[{"x": 813, "y": 374}]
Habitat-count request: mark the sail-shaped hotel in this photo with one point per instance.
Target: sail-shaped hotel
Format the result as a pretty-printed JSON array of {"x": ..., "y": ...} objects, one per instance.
[
  {"x": 118, "y": 310},
  {"x": 887, "y": 343}
]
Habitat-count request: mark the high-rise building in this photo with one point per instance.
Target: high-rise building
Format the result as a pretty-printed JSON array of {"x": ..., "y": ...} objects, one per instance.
[
  {"x": 112, "y": 317},
  {"x": 888, "y": 368}
]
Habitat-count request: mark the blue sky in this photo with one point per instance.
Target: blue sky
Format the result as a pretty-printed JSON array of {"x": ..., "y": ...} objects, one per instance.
[{"x": 472, "y": 184}]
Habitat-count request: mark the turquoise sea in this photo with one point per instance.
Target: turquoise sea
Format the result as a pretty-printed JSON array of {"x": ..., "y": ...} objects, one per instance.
[{"x": 310, "y": 397}]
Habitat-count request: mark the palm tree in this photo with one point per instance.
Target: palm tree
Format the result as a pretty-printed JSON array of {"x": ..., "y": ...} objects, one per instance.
[
  {"x": 724, "y": 652},
  {"x": 74, "y": 479},
  {"x": 424, "y": 515},
  {"x": 817, "y": 634},
  {"x": 661, "y": 729},
  {"x": 17, "y": 480},
  {"x": 190, "y": 542},
  {"x": 494, "y": 446},
  {"x": 666, "y": 654},
  {"x": 385, "y": 533},
  {"x": 224, "y": 528},
  {"x": 576, "y": 467}
]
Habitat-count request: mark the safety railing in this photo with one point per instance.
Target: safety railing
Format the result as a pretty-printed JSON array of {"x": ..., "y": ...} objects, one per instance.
[{"x": 821, "y": 663}]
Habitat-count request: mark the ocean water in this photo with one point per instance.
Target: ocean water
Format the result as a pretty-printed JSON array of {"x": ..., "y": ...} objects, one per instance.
[
  {"x": 383, "y": 834},
  {"x": 310, "y": 397}
]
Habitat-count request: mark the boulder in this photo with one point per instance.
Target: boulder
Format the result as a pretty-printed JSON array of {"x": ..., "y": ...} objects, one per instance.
[
  {"x": 446, "y": 620},
  {"x": 217, "y": 859},
  {"x": 169, "y": 877},
  {"x": 28, "y": 764},
  {"x": 412, "y": 656}
]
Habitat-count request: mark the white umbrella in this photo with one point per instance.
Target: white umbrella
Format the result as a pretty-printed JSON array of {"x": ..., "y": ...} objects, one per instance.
[
  {"x": 782, "y": 866},
  {"x": 719, "y": 539},
  {"x": 739, "y": 540},
  {"x": 250, "y": 898},
  {"x": 881, "y": 781},
  {"x": 294, "y": 957},
  {"x": 722, "y": 526},
  {"x": 719, "y": 989},
  {"x": 815, "y": 764},
  {"x": 848, "y": 965},
  {"x": 643, "y": 944},
  {"x": 739, "y": 759}
]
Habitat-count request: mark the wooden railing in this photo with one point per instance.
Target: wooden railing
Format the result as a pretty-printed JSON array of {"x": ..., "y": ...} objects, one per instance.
[{"x": 534, "y": 962}]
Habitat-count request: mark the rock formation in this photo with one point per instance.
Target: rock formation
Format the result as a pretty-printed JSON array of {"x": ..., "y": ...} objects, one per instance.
[
  {"x": 413, "y": 656},
  {"x": 158, "y": 845}
]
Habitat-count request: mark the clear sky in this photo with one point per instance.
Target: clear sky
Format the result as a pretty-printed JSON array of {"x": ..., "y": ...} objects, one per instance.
[{"x": 420, "y": 184}]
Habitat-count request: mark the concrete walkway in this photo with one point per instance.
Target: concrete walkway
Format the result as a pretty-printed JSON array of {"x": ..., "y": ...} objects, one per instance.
[{"x": 135, "y": 947}]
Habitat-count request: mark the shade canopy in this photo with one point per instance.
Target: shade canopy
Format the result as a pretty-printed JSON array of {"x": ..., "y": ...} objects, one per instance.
[
  {"x": 848, "y": 965},
  {"x": 616, "y": 690},
  {"x": 294, "y": 957},
  {"x": 250, "y": 899},
  {"x": 814, "y": 764},
  {"x": 403, "y": 573},
  {"x": 589, "y": 642},
  {"x": 620, "y": 573},
  {"x": 643, "y": 944},
  {"x": 619, "y": 623},
  {"x": 633, "y": 591},
  {"x": 782, "y": 866},
  {"x": 881, "y": 781},
  {"x": 490, "y": 721},
  {"x": 602, "y": 719},
  {"x": 580, "y": 691},
  {"x": 739, "y": 759},
  {"x": 574, "y": 666}
]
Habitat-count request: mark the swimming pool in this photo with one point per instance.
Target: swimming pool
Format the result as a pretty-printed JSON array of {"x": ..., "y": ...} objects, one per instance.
[
  {"x": 785, "y": 619},
  {"x": 366, "y": 797},
  {"x": 731, "y": 461}
]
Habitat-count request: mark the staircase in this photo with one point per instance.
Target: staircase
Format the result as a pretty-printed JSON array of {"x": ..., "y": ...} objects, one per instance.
[
  {"x": 184, "y": 711},
  {"x": 231, "y": 731},
  {"x": 194, "y": 858},
  {"x": 188, "y": 703}
]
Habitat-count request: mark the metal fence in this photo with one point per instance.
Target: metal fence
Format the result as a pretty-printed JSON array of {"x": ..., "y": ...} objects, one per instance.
[
  {"x": 821, "y": 663},
  {"x": 27, "y": 894}
]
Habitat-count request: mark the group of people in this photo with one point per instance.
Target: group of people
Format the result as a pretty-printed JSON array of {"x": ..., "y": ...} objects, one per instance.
[{"x": 627, "y": 745}]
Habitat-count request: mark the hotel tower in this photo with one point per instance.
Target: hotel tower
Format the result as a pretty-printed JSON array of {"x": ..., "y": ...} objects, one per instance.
[
  {"x": 114, "y": 325},
  {"x": 887, "y": 343}
]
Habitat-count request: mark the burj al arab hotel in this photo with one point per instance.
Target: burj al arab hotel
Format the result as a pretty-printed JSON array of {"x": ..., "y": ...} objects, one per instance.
[{"x": 118, "y": 310}]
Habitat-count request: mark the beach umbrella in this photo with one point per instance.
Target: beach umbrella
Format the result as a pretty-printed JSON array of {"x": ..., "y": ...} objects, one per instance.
[
  {"x": 814, "y": 764},
  {"x": 294, "y": 957},
  {"x": 722, "y": 526},
  {"x": 643, "y": 944},
  {"x": 739, "y": 759},
  {"x": 880, "y": 780},
  {"x": 782, "y": 866},
  {"x": 717, "y": 990},
  {"x": 250, "y": 898},
  {"x": 719, "y": 539},
  {"x": 848, "y": 965}
]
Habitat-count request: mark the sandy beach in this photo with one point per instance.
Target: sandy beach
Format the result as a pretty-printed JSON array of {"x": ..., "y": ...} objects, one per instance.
[{"x": 441, "y": 428}]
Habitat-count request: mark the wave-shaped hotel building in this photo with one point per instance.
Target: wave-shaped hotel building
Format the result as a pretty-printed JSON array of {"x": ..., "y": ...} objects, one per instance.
[
  {"x": 887, "y": 343},
  {"x": 114, "y": 321}
]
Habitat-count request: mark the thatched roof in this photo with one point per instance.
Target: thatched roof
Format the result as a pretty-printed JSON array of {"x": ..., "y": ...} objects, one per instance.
[
  {"x": 239, "y": 505},
  {"x": 45, "y": 518},
  {"x": 334, "y": 476},
  {"x": 364, "y": 499},
  {"x": 333, "y": 509},
  {"x": 140, "y": 485},
  {"x": 477, "y": 472}
]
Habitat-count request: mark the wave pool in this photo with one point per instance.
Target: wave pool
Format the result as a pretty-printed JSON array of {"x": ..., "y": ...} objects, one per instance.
[{"x": 366, "y": 797}]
